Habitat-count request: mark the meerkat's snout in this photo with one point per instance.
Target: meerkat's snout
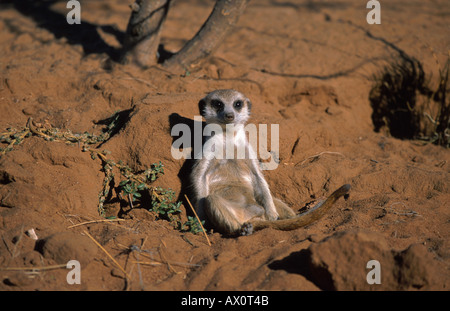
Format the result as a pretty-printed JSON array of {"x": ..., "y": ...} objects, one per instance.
[{"x": 229, "y": 117}]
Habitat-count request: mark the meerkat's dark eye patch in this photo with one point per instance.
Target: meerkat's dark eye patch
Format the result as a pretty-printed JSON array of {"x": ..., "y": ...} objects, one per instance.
[
  {"x": 217, "y": 104},
  {"x": 238, "y": 104},
  {"x": 201, "y": 107}
]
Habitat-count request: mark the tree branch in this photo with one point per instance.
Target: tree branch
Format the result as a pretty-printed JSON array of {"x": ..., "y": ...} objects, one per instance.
[{"x": 223, "y": 17}]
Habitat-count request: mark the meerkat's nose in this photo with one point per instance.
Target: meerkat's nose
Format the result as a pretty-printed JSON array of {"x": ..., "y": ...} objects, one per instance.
[{"x": 229, "y": 116}]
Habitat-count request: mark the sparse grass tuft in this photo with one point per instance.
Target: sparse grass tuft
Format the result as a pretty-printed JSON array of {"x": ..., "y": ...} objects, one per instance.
[{"x": 405, "y": 105}]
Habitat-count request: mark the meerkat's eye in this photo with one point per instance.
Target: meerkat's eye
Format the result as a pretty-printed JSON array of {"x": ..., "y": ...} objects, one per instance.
[
  {"x": 238, "y": 104},
  {"x": 217, "y": 104}
]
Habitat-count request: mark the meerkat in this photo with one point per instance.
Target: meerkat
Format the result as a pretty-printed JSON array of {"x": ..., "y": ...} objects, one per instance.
[{"x": 231, "y": 195}]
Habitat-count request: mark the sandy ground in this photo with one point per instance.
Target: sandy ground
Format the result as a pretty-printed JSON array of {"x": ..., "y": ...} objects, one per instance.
[{"x": 306, "y": 65}]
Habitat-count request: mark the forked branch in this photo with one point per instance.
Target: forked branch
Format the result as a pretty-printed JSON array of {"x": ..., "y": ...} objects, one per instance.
[
  {"x": 214, "y": 31},
  {"x": 144, "y": 28}
]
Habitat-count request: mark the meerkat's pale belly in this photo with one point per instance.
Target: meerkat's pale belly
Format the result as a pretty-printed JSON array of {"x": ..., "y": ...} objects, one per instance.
[{"x": 229, "y": 172}]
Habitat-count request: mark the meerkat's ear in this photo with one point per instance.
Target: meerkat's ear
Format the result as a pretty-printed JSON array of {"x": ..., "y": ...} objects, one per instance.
[{"x": 201, "y": 107}]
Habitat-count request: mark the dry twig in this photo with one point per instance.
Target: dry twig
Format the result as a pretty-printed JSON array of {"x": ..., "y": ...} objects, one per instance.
[
  {"x": 108, "y": 254},
  {"x": 95, "y": 221},
  {"x": 316, "y": 156},
  {"x": 34, "y": 269},
  {"x": 198, "y": 219}
]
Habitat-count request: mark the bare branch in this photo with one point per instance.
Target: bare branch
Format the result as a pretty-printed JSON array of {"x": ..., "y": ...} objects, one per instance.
[
  {"x": 223, "y": 17},
  {"x": 145, "y": 24}
]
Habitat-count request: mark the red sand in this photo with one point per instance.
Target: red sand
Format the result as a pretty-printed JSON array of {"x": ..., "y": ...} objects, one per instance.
[{"x": 306, "y": 66}]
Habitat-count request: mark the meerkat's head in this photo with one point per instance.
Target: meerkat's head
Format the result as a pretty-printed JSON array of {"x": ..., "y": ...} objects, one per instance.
[{"x": 225, "y": 107}]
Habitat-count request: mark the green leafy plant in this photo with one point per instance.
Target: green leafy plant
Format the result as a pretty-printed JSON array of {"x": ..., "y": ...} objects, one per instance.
[
  {"x": 132, "y": 185},
  {"x": 164, "y": 204},
  {"x": 192, "y": 225},
  {"x": 13, "y": 137},
  {"x": 131, "y": 189}
]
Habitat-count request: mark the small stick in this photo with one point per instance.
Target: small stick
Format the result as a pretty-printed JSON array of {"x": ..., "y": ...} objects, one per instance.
[
  {"x": 148, "y": 263},
  {"x": 34, "y": 268},
  {"x": 130, "y": 200},
  {"x": 106, "y": 252},
  {"x": 94, "y": 221},
  {"x": 139, "y": 80},
  {"x": 319, "y": 154},
  {"x": 157, "y": 263},
  {"x": 163, "y": 258},
  {"x": 198, "y": 219},
  {"x": 34, "y": 130},
  {"x": 139, "y": 250},
  {"x": 143, "y": 242},
  {"x": 6, "y": 244},
  {"x": 141, "y": 282}
]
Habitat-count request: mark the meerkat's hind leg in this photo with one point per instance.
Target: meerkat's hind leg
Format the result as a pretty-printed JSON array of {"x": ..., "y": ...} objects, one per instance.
[
  {"x": 283, "y": 210},
  {"x": 221, "y": 218},
  {"x": 228, "y": 216}
]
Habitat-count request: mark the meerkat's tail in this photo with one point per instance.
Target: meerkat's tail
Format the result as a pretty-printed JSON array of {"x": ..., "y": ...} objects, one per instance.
[{"x": 301, "y": 220}]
